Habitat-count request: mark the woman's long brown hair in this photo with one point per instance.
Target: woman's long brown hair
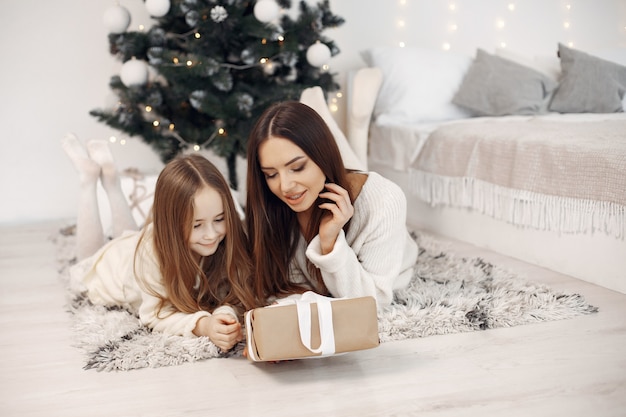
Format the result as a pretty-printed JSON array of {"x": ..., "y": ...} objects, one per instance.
[
  {"x": 272, "y": 226},
  {"x": 225, "y": 276}
]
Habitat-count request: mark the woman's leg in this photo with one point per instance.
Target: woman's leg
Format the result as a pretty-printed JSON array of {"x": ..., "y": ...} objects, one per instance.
[
  {"x": 121, "y": 215},
  {"x": 89, "y": 235}
]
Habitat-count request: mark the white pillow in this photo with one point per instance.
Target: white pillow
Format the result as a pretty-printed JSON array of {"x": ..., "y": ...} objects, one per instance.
[
  {"x": 546, "y": 64},
  {"x": 418, "y": 83}
]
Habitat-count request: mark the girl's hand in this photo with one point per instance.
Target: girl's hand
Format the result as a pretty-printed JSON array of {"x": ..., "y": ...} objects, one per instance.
[
  {"x": 340, "y": 211},
  {"x": 222, "y": 329}
]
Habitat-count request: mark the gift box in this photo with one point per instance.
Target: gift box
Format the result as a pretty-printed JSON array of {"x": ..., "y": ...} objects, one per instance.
[{"x": 311, "y": 326}]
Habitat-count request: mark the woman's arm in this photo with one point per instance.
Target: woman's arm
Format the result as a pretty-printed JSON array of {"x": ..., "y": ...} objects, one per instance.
[{"x": 378, "y": 251}]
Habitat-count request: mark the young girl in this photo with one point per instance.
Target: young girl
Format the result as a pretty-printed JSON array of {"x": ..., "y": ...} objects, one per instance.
[
  {"x": 315, "y": 225},
  {"x": 188, "y": 270}
]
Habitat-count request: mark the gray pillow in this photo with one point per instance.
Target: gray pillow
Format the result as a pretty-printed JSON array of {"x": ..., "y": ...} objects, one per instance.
[
  {"x": 495, "y": 86},
  {"x": 588, "y": 84}
]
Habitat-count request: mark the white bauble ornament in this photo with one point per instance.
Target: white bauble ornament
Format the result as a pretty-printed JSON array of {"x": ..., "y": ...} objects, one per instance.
[
  {"x": 318, "y": 54},
  {"x": 134, "y": 72},
  {"x": 116, "y": 19},
  {"x": 111, "y": 102},
  {"x": 158, "y": 8},
  {"x": 266, "y": 11}
]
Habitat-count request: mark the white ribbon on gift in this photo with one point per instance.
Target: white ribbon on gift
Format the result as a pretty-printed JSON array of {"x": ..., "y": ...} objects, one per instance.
[
  {"x": 325, "y": 318},
  {"x": 303, "y": 307}
]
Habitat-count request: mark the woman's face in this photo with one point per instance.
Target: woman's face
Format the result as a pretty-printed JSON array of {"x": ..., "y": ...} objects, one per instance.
[
  {"x": 290, "y": 174},
  {"x": 209, "y": 226}
]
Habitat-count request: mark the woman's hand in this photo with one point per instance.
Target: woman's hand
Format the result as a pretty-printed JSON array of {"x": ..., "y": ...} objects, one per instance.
[
  {"x": 222, "y": 329},
  {"x": 340, "y": 211}
]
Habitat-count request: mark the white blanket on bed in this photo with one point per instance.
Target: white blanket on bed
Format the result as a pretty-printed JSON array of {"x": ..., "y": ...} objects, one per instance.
[{"x": 551, "y": 175}]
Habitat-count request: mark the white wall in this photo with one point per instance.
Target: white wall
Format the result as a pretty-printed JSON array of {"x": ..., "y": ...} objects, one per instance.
[{"x": 56, "y": 68}]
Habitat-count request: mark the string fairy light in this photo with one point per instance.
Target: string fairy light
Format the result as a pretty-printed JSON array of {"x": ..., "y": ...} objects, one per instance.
[
  {"x": 333, "y": 106},
  {"x": 113, "y": 139},
  {"x": 452, "y": 27},
  {"x": 501, "y": 25},
  {"x": 567, "y": 24},
  {"x": 401, "y": 23}
]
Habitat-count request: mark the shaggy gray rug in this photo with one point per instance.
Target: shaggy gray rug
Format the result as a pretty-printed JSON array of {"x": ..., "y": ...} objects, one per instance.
[{"x": 448, "y": 294}]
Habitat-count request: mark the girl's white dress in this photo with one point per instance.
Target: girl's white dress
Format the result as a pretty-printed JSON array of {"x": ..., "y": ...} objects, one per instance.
[{"x": 109, "y": 278}]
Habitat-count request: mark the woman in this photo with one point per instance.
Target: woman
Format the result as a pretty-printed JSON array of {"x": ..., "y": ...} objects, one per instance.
[
  {"x": 188, "y": 271},
  {"x": 314, "y": 225}
]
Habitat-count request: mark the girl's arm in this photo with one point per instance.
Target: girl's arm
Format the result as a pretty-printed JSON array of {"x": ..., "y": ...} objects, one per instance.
[{"x": 222, "y": 327}]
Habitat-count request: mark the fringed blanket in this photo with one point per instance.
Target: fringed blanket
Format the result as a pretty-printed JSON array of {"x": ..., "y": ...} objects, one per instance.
[{"x": 558, "y": 176}]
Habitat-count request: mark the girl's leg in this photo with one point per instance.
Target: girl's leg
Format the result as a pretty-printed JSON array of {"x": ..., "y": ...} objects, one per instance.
[
  {"x": 89, "y": 235},
  {"x": 121, "y": 215}
]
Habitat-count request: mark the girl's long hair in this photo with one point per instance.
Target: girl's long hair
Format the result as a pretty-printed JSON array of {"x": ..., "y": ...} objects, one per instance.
[
  {"x": 224, "y": 277},
  {"x": 272, "y": 226}
]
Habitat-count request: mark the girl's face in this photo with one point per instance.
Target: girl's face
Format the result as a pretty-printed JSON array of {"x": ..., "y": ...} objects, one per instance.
[
  {"x": 290, "y": 174},
  {"x": 209, "y": 226}
]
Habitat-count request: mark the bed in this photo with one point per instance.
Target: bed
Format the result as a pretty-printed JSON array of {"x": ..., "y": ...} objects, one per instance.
[{"x": 525, "y": 156}]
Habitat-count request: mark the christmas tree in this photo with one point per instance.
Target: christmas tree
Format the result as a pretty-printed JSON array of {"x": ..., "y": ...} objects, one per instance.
[{"x": 206, "y": 70}]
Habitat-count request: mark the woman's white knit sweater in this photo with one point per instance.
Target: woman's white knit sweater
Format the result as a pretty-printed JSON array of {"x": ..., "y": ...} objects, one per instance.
[{"x": 375, "y": 257}]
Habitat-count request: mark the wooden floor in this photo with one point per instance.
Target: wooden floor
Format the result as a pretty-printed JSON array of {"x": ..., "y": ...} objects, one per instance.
[{"x": 567, "y": 368}]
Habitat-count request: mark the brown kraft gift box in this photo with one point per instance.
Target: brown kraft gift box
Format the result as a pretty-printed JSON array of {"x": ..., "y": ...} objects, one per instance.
[{"x": 347, "y": 324}]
